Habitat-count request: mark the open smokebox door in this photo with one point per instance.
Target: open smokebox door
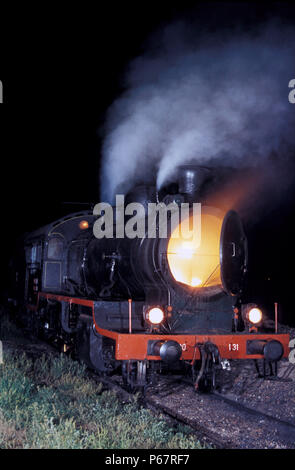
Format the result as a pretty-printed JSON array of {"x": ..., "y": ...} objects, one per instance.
[
  {"x": 215, "y": 261},
  {"x": 233, "y": 253}
]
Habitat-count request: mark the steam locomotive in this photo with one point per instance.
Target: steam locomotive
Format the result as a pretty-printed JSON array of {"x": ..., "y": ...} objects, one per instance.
[{"x": 146, "y": 304}]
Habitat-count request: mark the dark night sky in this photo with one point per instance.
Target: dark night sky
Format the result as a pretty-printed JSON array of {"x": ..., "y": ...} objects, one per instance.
[{"x": 61, "y": 69}]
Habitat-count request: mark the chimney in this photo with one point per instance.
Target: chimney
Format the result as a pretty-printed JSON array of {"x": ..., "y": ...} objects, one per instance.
[{"x": 191, "y": 179}]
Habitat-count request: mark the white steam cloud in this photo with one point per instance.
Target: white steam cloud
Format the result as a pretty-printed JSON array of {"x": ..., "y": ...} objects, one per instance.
[{"x": 190, "y": 99}]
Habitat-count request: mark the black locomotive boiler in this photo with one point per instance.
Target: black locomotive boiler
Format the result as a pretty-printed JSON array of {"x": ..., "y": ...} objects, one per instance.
[{"x": 145, "y": 304}]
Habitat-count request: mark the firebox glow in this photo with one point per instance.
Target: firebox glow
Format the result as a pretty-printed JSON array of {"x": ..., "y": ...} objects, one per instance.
[
  {"x": 197, "y": 265},
  {"x": 186, "y": 250},
  {"x": 196, "y": 282}
]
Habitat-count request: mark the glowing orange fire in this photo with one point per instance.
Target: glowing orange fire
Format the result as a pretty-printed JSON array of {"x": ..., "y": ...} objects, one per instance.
[{"x": 193, "y": 264}]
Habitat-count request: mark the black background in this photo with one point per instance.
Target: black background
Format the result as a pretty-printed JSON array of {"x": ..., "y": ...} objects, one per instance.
[{"x": 61, "y": 68}]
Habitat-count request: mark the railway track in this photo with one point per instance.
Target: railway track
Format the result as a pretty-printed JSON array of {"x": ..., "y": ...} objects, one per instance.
[
  {"x": 227, "y": 423},
  {"x": 215, "y": 419}
]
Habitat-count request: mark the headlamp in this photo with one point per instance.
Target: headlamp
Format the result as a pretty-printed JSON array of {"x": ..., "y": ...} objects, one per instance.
[{"x": 155, "y": 315}]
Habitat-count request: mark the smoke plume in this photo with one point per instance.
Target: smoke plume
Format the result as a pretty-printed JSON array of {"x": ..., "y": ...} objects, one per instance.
[{"x": 214, "y": 99}]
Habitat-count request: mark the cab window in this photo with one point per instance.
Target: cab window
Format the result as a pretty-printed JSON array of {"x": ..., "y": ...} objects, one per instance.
[{"x": 55, "y": 246}]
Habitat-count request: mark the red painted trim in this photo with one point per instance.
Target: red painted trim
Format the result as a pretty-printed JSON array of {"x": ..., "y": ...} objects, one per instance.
[
  {"x": 134, "y": 346},
  {"x": 86, "y": 303},
  {"x": 34, "y": 308},
  {"x": 63, "y": 298}
]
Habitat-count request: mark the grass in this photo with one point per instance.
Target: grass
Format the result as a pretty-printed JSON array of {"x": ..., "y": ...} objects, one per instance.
[
  {"x": 8, "y": 329},
  {"x": 52, "y": 403}
]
